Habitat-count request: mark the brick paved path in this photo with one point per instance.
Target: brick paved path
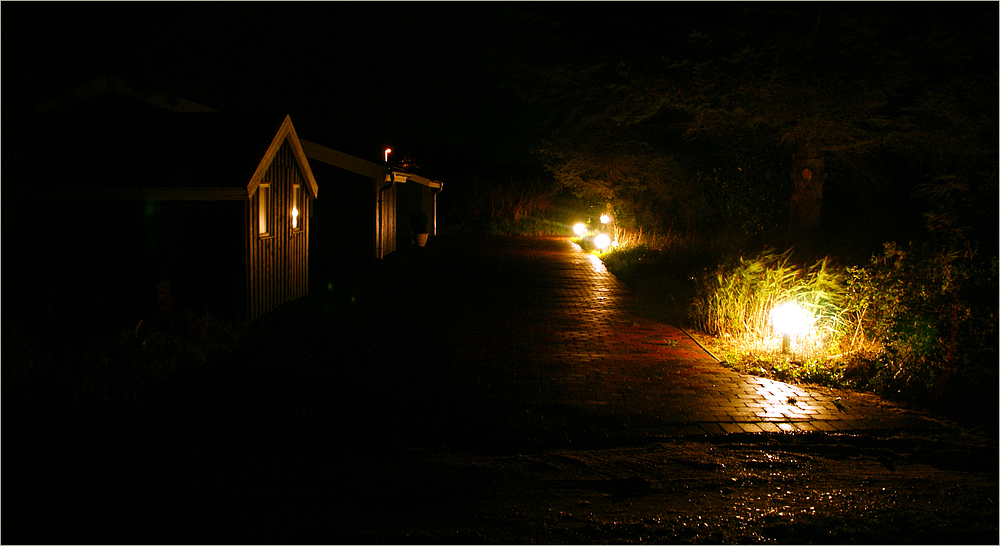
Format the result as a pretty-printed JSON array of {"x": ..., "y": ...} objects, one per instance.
[{"x": 559, "y": 344}]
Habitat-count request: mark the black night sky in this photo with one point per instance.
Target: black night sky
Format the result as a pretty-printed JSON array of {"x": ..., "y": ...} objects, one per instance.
[
  {"x": 420, "y": 77},
  {"x": 429, "y": 79}
]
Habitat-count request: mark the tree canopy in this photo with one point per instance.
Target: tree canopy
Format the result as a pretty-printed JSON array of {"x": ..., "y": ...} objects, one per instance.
[{"x": 792, "y": 93}]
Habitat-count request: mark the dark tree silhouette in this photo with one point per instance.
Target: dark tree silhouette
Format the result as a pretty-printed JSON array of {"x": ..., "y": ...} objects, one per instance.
[{"x": 816, "y": 83}]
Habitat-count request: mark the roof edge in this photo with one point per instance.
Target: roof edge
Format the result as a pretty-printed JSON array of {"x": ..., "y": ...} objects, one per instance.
[
  {"x": 285, "y": 132},
  {"x": 117, "y": 84},
  {"x": 344, "y": 161},
  {"x": 147, "y": 194}
]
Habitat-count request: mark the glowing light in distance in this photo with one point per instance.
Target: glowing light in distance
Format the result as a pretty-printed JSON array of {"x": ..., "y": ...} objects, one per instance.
[
  {"x": 605, "y": 218},
  {"x": 791, "y": 319},
  {"x": 387, "y": 152},
  {"x": 602, "y": 241},
  {"x": 579, "y": 229}
]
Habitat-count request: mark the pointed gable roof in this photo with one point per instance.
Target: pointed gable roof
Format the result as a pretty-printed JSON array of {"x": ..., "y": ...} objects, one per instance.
[{"x": 285, "y": 133}]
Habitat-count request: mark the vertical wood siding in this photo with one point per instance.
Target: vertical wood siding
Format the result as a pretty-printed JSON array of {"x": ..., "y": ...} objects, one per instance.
[
  {"x": 278, "y": 263},
  {"x": 388, "y": 215}
]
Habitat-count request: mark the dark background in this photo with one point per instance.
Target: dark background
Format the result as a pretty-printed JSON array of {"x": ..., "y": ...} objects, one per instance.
[
  {"x": 465, "y": 89},
  {"x": 425, "y": 78},
  {"x": 418, "y": 77}
]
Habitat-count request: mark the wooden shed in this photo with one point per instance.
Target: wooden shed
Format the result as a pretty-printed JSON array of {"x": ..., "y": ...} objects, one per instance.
[
  {"x": 134, "y": 206},
  {"x": 378, "y": 200}
]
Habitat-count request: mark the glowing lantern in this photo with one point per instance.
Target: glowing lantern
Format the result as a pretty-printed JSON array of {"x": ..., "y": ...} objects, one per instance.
[
  {"x": 605, "y": 218},
  {"x": 579, "y": 229},
  {"x": 789, "y": 319},
  {"x": 295, "y": 217},
  {"x": 602, "y": 241}
]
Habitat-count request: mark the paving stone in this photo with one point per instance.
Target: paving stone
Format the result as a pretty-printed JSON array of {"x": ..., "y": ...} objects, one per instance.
[
  {"x": 732, "y": 428},
  {"x": 712, "y": 428},
  {"x": 750, "y": 427}
]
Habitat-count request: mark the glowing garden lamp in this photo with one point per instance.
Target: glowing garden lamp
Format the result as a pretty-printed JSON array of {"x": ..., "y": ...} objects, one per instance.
[
  {"x": 789, "y": 319},
  {"x": 605, "y": 218},
  {"x": 602, "y": 241},
  {"x": 580, "y": 229}
]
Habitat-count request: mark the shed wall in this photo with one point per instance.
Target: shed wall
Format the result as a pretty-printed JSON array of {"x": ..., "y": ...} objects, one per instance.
[
  {"x": 278, "y": 261},
  {"x": 113, "y": 261},
  {"x": 388, "y": 220}
]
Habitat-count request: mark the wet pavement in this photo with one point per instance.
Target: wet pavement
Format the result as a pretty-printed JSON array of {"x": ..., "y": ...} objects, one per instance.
[{"x": 570, "y": 352}]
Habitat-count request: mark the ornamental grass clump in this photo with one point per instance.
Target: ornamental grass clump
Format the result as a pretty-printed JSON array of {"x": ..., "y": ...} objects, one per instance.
[{"x": 736, "y": 301}]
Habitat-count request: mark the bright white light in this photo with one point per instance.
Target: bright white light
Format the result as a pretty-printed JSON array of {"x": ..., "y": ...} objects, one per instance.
[
  {"x": 602, "y": 241},
  {"x": 791, "y": 319},
  {"x": 295, "y": 217},
  {"x": 387, "y": 152},
  {"x": 579, "y": 229},
  {"x": 605, "y": 218}
]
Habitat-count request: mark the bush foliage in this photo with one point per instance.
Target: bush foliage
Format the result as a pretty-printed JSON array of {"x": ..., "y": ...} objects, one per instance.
[
  {"x": 102, "y": 364},
  {"x": 933, "y": 311}
]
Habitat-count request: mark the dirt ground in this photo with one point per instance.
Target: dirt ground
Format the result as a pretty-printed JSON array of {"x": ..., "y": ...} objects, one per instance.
[
  {"x": 269, "y": 464},
  {"x": 805, "y": 489}
]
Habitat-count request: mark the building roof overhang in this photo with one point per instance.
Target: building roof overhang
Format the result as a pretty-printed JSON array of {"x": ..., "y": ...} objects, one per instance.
[
  {"x": 111, "y": 83},
  {"x": 371, "y": 169},
  {"x": 401, "y": 177}
]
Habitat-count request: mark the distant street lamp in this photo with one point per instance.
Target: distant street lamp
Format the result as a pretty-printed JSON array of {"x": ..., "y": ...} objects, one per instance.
[{"x": 387, "y": 152}]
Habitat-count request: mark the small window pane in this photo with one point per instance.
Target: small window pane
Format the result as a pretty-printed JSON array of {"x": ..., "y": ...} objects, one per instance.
[
  {"x": 296, "y": 208},
  {"x": 263, "y": 202}
]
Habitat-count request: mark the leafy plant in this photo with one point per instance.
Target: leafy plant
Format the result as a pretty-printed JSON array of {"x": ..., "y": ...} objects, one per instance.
[
  {"x": 419, "y": 221},
  {"x": 116, "y": 365},
  {"x": 921, "y": 305}
]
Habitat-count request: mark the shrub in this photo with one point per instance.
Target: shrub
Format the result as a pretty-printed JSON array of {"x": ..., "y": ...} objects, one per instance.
[
  {"x": 934, "y": 312},
  {"x": 104, "y": 364},
  {"x": 623, "y": 261}
]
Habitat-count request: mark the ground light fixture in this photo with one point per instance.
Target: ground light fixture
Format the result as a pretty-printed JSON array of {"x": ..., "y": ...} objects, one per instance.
[
  {"x": 602, "y": 241},
  {"x": 789, "y": 319},
  {"x": 580, "y": 229}
]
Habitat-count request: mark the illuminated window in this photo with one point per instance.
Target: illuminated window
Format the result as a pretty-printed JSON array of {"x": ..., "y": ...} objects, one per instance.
[
  {"x": 263, "y": 207},
  {"x": 297, "y": 207}
]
